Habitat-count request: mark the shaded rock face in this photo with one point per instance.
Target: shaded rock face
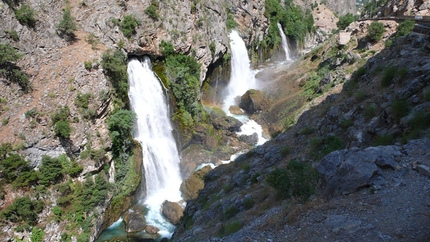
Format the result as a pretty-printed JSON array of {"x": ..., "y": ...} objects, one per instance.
[
  {"x": 407, "y": 7},
  {"x": 172, "y": 212},
  {"x": 252, "y": 101},
  {"x": 134, "y": 220},
  {"x": 249, "y": 139},
  {"x": 344, "y": 171},
  {"x": 191, "y": 187},
  {"x": 227, "y": 123}
]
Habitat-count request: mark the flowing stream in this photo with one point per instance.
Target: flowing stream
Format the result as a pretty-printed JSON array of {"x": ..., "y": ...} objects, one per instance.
[
  {"x": 159, "y": 151},
  {"x": 284, "y": 43}
]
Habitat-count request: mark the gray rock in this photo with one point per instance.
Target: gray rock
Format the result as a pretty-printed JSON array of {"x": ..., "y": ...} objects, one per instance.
[
  {"x": 172, "y": 212},
  {"x": 339, "y": 223},
  {"x": 227, "y": 123},
  {"x": 134, "y": 220},
  {"x": 252, "y": 101},
  {"x": 424, "y": 170},
  {"x": 345, "y": 171},
  {"x": 191, "y": 187},
  {"x": 249, "y": 139}
]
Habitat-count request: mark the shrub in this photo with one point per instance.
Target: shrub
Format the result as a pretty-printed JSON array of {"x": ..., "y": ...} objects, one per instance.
[
  {"x": 8, "y": 68},
  {"x": 298, "y": 180},
  {"x": 152, "y": 10},
  {"x": 12, "y": 34},
  {"x": 399, "y": 109},
  {"x": 230, "y": 22},
  {"x": 37, "y": 235},
  {"x": 405, "y": 28},
  {"x": 16, "y": 170},
  {"x": 50, "y": 171},
  {"x": 62, "y": 129},
  {"x": 375, "y": 31},
  {"x": 345, "y": 21},
  {"x": 25, "y": 16},
  {"x": 92, "y": 40},
  {"x": 60, "y": 114},
  {"x": 383, "y": 139},
  {"x": 67, "y": 26},
  {"x": 22, "y": 209},
  {"x": 88, "y": 65},
  {"x": 388, "y": 76},
  {"x": 115, "y": 67},
  {"x": 128, "y": 25},
  {"x": 120, "y": 126},
  {"x": 230, "y": 228},
  {"x": 370, "y": 111}
]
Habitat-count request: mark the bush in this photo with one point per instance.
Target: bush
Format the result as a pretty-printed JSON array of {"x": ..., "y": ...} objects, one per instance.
[
  {"x": 16, "y": 170},
  {"x": 67, "y": 26},
  {"x": 12, "y": 34},
  {"x": 388, "y": 76},
  {"x": 88, "y": 65},
  {"x": 383, "y": 139},
  {"x": 22, "y": 209},
  {"x": 25, "y": 16},
  {"x": 152, "y": 10},
  {"x": 405, "y": 28},
  {"x": 115, "y": 67},
  {"x": 375, "y": 31},
  {"x": 370, "y": 112},
  {"x": 230, "y": 22},
  {"x": 399, "y": 109},
  {"x": 298, "y": 180},
  {"x": 8, "y": 68},
  {"x": 229, "y": 228},
  {"x": 120, "y": 126},
  {"x": 50, "y": 171},
  {"x": 37, "y": 235},
  {"x": 60, "y": 114},
  {"x": 345, "y": 21},
  {"x": 128, "y": 25},
  {"x": 62, "y": 129}
]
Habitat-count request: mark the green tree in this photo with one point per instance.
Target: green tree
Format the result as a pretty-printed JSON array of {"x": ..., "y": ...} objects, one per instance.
[
  {"x": 25, "y": 15},
  {"x": 67, "y": 26},
  {"x": 375, "y": 31},
  {"x": 62, "y": 129},
  {"x": 128, "y": 25},
  {"x": 22, "y": 209},
  {"x": 152, "y": 10},
  {"x": 50, "y": 171},
  {"x": 115, "y": 67},
  {"x": 345, "y": 21},
  {"x": 120, "y": 126},
  {"x": 405, "y": 28}
]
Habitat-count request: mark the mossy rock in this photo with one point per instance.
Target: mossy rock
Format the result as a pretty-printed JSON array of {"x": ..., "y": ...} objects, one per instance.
[{"x": 252, "y": 101}]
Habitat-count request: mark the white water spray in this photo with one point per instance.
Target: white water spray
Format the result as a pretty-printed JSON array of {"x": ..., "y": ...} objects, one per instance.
[
  {"x": 242, "y": 77},
  {"x": 154, "y": 132},
  {"x": 284, "y": 43}
]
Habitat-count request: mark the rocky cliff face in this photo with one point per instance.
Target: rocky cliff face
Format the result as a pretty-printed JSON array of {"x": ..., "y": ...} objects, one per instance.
[
  {"x": 342, "y": 7},
  {"x": 407, "y": 7}
]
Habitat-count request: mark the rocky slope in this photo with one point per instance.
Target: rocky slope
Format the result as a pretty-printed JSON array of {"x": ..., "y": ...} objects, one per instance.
[
  {"x": 375, "y": 186},
  {"x": 408, "y": 7}
]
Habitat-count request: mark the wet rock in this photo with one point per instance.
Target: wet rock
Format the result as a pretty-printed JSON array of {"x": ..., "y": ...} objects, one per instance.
[
  {"x": 252, "y": 101},
  {"x": 151, "y": 229},
  {"x": 235, "y": 110},
  {"x": 172, "y": 212},
  {"x": 191, "y": 187},
  {"x": 227, "y": 123},
  {"x": 249, "y": 139},
  {"x": 134, "y": 220}
]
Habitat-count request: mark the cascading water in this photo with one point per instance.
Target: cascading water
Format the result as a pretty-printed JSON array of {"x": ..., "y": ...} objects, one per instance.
[
  {"x": 284, "y": 43},
  {"x": 154, "y": 132},
  {"x": 241, "y": 80},
  {"x": 242, "y": 77}
]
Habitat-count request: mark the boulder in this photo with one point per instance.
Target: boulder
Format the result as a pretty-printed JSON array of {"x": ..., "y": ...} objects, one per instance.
[
  {"x": 345, "y": 171},
  {"x": 252, "y": 101},
  {"x": 151, "y": 229},
  {"x": 227, "y": 123},
  {"x": 235, "y": 110},
  {"x": 172, "y": 212},
  {"x": 191, "y": 187},
  {"x": 249, "y": 139},
  {"x": 134, "y": 219}
]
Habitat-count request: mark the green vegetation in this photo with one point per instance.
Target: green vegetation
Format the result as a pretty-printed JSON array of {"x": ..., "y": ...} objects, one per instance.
[
  {"x": 115, "y": 67},
  {"x": 399, "y": 109},
  {"x": 9, "y": 70},
  {"x": 229, "y": 228},
  {"x": 405, "y": 28},
  {"x": 82, "y": 102},
  {"x": 230, "y": 22},
  {"x": 370, "y": 111},
  {"x": 50, "y": 171},
  {"x": 152, "y": 10},
  {"x": 295, "y": 21},
  {"x": 120, "y": 126},
  {"x": 12, "y": 34},
  {"x": 93, "y": 40},
  {"x": 375, "y": 31},
  {"x": 37, "y": 234},
  {"x": 25, "y": 16},
  {"x": 182, "y": 74},
  {"x": 383, "y": 139},
  {"x": 63, "y": 129},
  {"x": 298, "y": 180},
  {"x": 67, "y": 26},
  {"x": 88, "y": 65},
  {"x": 323, "y": 146},
  {"x": 345, "y": 21},
  {"x": 23, "y": 211},
  {"x": 128, "y": 25},
  {"x": 15, "y": 169}
]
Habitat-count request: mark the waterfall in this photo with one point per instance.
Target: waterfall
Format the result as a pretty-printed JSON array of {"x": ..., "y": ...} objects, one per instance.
[
  {"x": 284, "y": 43},
  {"x": 154, "y": 132},
  {"x": 242, "y": 77}
]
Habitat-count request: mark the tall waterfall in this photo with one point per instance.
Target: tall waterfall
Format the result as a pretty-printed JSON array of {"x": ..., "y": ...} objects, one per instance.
[
  {"x": 242, "y": 77},
  {"x": 284, "y": 43},
  {"x": 154, "y": 132}
]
